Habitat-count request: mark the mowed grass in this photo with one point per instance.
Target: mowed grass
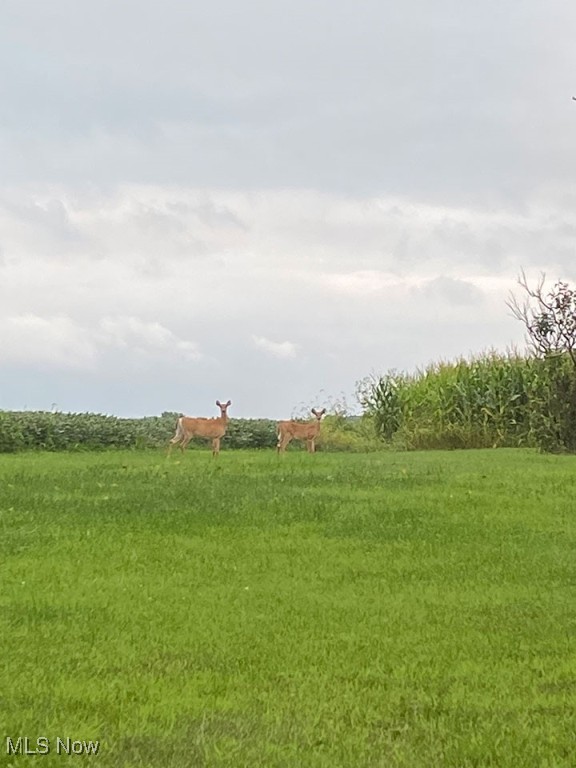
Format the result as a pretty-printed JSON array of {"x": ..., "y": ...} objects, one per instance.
[{"x": 393, "y": 610}]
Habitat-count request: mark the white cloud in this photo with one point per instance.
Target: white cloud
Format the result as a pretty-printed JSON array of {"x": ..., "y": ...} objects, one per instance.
[
  {"x": 363, "y": 283},
  {"x": 45, "y": 342},
  {"x": 341, "y": 285},
  {"x": 283, "y": 350},
  {"x": 152, "y": 338},
  {"x": 59, "y": 342}
]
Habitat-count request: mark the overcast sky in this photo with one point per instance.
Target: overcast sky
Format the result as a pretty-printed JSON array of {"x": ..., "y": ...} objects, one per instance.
[{"x": 267, "y": 200}]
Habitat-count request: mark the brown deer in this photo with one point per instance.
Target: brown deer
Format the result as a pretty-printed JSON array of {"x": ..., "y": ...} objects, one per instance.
[
  {"x": 213, "y": 429},
  {"x": 294, "y": 430}
]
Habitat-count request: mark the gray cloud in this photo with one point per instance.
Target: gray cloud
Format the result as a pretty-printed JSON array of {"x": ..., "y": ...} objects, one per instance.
[
  {"x": 454, "y": 292},
  {"x": 432, "y": 101}
]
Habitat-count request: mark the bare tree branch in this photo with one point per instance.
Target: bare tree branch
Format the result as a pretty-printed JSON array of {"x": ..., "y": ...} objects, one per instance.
[{"x": 549, "y": 317}]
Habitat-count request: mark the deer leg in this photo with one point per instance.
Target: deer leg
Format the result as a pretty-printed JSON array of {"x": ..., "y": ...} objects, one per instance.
[
  {"x": 184, "y": 442},
  {"x": 215, "y": 447},
  {"x": 282, "y": 443}
]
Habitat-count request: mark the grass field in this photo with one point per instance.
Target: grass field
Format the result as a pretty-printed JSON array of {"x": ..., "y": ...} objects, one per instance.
[{"x": 334, "y": 610}]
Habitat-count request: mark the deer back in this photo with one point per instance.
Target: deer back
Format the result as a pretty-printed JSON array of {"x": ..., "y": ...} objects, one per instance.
[{"x": 202, "y": 427}]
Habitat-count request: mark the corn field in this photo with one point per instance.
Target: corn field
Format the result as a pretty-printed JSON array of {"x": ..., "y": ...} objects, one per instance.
[{"x": 495, "y": 400}]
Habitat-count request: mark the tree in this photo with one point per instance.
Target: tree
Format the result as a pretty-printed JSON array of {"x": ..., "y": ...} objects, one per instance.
[
  {"x": 550, "y": 321},
  {"x": 549, "y": 317}
]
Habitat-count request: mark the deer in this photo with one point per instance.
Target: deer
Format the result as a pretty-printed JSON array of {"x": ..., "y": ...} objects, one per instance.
[
  {"x": 213, "y": 429},
  {"x": 295, "y": 430}
]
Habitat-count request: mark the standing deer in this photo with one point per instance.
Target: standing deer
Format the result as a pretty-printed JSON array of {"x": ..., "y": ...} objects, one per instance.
[
  {"x": 213, "y": 429},
  {"x": 294, "y": 430}
]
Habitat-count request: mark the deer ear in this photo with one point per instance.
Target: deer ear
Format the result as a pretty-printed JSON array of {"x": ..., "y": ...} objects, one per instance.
[
  {"x": 313, "y": 410},
  {"x": 218, "y": 403},
  {"x": 323, "y": 411},
  {"x": 228, "y": 403}
]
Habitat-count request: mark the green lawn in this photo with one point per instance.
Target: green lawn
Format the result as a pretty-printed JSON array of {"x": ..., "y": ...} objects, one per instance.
[{"x": 333, "y": 610}]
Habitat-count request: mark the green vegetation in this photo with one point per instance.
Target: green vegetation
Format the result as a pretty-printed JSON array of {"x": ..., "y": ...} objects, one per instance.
[
  {"x": 409, "y": 610},
  {"x": 33, "y": 430},
  {"x": 491, "y": 401},
  {"x": 30, "y": 430}
]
